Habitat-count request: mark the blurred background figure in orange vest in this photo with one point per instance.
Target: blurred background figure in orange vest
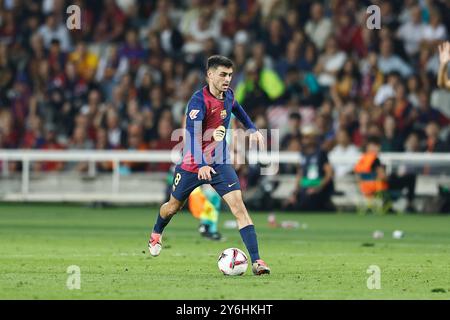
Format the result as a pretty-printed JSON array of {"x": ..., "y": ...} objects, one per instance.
[
  {"x": 204, "y": 204},
  {"x": 373, "y": 179}
]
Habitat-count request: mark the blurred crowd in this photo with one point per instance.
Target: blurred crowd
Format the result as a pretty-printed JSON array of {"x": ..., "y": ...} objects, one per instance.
[{"x": 123, "y": 80}]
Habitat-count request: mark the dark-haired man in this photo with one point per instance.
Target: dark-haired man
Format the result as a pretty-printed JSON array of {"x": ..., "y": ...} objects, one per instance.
[
  {"x": 206, "y": 157},
  {"x": 314, "y": 183}
]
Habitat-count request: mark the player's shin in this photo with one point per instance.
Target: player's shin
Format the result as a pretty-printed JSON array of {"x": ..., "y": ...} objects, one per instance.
[
  {"x": 161, "y": 223},
  {"x": 248, "y": 235},
  {"x": 164, "y": 216}
]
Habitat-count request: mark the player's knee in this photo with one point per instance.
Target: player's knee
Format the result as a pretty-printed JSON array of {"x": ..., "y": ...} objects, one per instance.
[
  {"x": 238, "y": 210},
  {"x": 171, "y": 208},
  {"x": 174, "y": 208}
]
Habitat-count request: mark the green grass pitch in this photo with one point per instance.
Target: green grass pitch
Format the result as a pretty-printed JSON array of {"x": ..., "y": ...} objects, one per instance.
[{"x": 328, "y": 260}]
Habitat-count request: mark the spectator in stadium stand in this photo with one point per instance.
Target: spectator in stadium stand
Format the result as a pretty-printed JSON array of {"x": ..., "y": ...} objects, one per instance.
[
  {"x": 274, "y": 39},
  {"x": 293, "y": 127},
  {"x": 290, "y": 60},
  {"x": 206, "y": 26},
  {"x": 171, "y": 39},
  {"x": 189, "y": 15},
  {"x": 403, "y": 110},
  {"x": 85, "y": 61},
  {"x": 435, "y": 31},
  {"x": 163, "y": 8},
  {"x": 259, "y": 57},
  {"x": 8, "y": 28},
  {"x": 293, "y": 145},
  {"x": 392, "y": 138},
  {"x": 314, "y": 184},
  {"x": 56, "y": 58},
  {"x": 33, "y": 137},
  {"x": 343, "y": 149},
  {"x": 167, "y": 70},
  {"x": 54, "y": 29},
  {"x": 149, "y": 125},
  {"x": 92, "y": 108},
  {"x": 412, "y": 142},
  {"x": 389, "y": 16},
  {"x": 232, "y": 21},
  {"x": 296, "y": 92},
  {"x": 79, "y": 141},
  {"x": 374, "y": 131},
  {"x": 37, "y": 53},
  {"x": 10, "y": 133},
  {"x": 7, "y": 72},
  {"x": 325, "y": 131},
  {"x": 135, "y": 142},
  {"x": 433, "y": 140},
  {"x": 413, "y": 85},
  {"x": 387, "y": 90},
  {"x": 116, "y": 136},
  {"x": 318, "y": 27},
  {"x": 308, "y": 56},
  {"x": 362, "y": 126},
  {"x": 75, "y": 87},
  {"x": 426, "y": 113},
  {"x": 349, "y": 35},
  {"x": 110, "y": 70},
  {"x": 133, "y": 114},
  {"x": 258, "y": 89},
  {"x": 144, "y": 85},
  {"x": 132, "y": 51},
  {"x": 348, "y": 120},
  {"x": 371, "y": 77},
  {"x": 110, "y": 25},
  {"x": 163, "y": 141},
  {"x": 50, "y": 143},
  {"x": 157, "y": 102},
  {"x": 329, "y": 63},
  {"x": 411, "y": 32},
  {"x": 154, "y": 54},
  {"x": 21, "y": 101},
  {"x": 102, "y": 144},
  {"x": 348, "y": 83},
  {"x": 388, "y": 61}
]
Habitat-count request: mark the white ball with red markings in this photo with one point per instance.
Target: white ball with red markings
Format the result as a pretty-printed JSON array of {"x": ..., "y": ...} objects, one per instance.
[{"x": 233, "y": 262}]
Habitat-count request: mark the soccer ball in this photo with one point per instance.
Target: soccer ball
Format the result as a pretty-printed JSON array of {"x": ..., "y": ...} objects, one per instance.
[{"x": 232, "y": 262}]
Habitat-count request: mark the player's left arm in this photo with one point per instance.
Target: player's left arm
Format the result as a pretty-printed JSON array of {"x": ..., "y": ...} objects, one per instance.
[{"x": 243, "y": 117}]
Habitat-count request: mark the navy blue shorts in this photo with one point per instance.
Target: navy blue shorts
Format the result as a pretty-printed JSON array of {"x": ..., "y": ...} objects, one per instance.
[{"x": 223, "y": 181}]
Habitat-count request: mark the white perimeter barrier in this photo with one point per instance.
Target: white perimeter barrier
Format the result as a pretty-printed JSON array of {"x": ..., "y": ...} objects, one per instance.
[{"x": 115, "y": 194}]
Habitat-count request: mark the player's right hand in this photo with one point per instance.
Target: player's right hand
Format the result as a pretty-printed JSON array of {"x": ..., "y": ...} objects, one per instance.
[{"x": 204, "y": 173}]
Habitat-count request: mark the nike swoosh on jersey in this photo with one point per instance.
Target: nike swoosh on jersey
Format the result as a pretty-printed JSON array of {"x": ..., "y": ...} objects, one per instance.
[{"x": 230, "y": 185}]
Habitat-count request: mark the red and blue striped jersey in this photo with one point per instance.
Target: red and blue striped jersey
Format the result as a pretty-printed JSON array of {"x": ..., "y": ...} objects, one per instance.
[{"x": 207, "y": 120}]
